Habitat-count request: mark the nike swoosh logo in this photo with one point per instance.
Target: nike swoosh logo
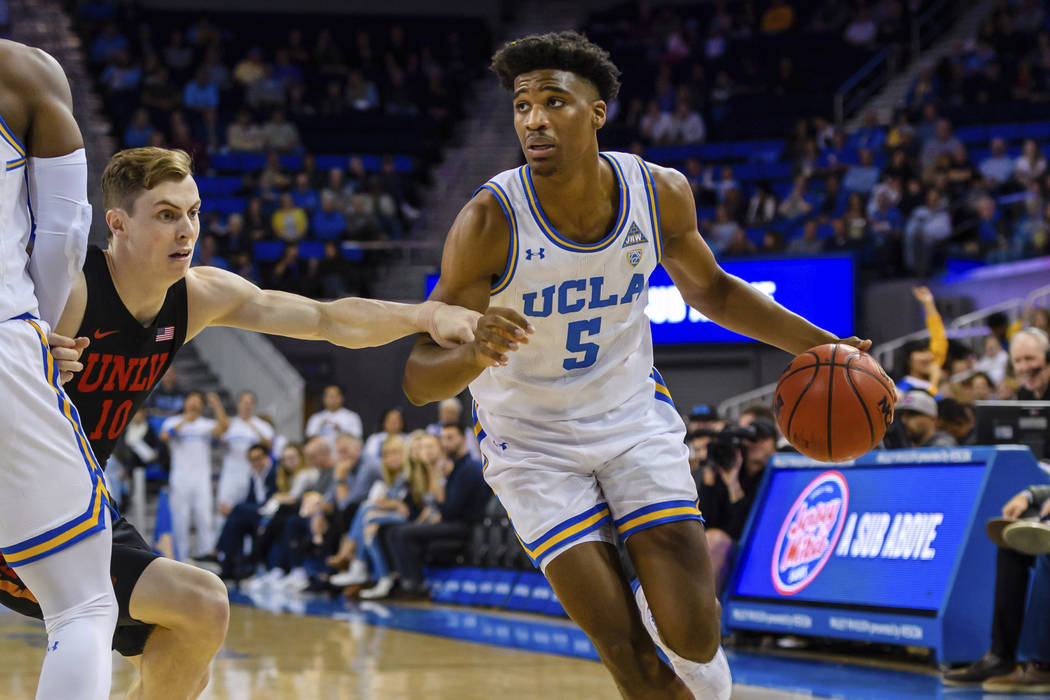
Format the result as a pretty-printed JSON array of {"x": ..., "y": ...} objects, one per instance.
[{"x": 99, "y": 335}]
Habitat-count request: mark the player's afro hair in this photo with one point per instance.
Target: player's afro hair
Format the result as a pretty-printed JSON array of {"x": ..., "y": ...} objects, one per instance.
[{"x": 569, "y": 51}]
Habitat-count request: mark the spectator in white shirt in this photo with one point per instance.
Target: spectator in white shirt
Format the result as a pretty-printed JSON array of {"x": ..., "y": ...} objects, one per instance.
[
  {"x": 927, "y": 226},
  {"x": 654, "y": 124},
  {"x": 998, "y": 167},
  {"x": 1030, "y": 165},
  {"x": 246, "y": 429},
  {"x": 685, "y": 125},
  {"x": 189, "y": 437},
  {"x": 993, "y": 360},
  {"x": 862, "y": 30},
  {"x": 334, "y": 419},
  {"x": 393, "y": 423}
]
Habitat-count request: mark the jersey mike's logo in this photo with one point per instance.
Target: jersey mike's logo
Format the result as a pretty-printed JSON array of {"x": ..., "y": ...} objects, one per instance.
[{"x": 809, "y": 533}]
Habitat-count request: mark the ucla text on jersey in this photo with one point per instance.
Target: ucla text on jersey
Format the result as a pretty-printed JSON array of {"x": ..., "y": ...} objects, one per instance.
[{"x": 592, "y": 347}]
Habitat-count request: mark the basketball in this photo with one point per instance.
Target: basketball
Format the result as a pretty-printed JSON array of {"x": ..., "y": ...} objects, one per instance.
[{"x": 833, "y": 402}]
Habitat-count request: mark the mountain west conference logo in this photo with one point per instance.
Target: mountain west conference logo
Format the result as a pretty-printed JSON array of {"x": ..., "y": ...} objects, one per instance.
[{"x": 810, "y": 532}]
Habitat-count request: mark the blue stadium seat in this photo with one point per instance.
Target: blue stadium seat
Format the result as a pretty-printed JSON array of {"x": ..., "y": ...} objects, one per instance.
[
  {"x": 331, "y": 161},
  {"x": 311, "y": 250},
  {"x": 268, "y": 251},
  {"x": 974, "y": 134},
  {"x": 1039, "y": 131},
  {"x": 756, "y": 235},
  {"x": 225, "y": 205},
  {"x": 226, "y": 161},
  {"x": 292, "y": 161},
  {"x": 251, "y": 161},
  {"x": 218, "y": 185},
  {"x": 352, "y": 251}
]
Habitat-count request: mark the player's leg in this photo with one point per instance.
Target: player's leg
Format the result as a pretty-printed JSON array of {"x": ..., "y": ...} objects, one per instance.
[
  {"x": 80, "y": 613},
  {"x": 54, "y": 517},
  {"x": 674, "y": 569},
  {"x": 653, "y": 500},
  {"x": 592, "y": 587},
  {"x": 191, "y": 610}
]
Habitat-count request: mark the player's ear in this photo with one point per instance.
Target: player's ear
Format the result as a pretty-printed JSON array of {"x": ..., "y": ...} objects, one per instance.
[
  {"x": 598, "y": 108},
  {"x": 116, "y": 219}
]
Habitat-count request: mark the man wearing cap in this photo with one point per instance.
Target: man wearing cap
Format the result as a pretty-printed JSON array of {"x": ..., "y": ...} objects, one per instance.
[
  {"x": 704, "y": 416},
  {"x": 917, "y": 411}
]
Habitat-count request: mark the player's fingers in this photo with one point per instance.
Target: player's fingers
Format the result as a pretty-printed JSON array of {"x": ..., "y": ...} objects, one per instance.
[
  {"x": 490, "y": 357},
  {"x": 503, "y": 327},
  {"x": 81, "y": 343},
  {"x": 496, "y": 343},
  {"x": 515, "y": 318},
  {"x": 54, "y": 340},
  {"x": 64, "y": 377},
  {"x": 856, "y": 342}
]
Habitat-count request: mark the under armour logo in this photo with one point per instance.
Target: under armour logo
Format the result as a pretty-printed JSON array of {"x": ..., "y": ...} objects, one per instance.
[
  {"x": 53, "y": 647},
  {"x": 501, "y": 445},
  {"x": 539, "y": 254}
]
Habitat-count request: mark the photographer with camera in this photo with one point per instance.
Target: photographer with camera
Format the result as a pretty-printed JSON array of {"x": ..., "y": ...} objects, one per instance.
[{"x": 727, "y": 482}]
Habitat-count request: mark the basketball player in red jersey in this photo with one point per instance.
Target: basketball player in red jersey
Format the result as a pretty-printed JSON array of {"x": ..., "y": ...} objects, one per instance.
[
  {"x": 137, "y": 303},
  {"x": 573, "y": 419}
]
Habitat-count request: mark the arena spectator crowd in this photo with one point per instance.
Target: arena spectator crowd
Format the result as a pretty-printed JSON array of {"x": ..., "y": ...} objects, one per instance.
[
  {"x": 905, "y": 196},
  {"x": 257, "y": 113}
]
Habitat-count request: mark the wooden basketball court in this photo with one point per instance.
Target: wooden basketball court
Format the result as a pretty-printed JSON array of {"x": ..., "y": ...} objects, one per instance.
[{"x": 271, "y": 655}]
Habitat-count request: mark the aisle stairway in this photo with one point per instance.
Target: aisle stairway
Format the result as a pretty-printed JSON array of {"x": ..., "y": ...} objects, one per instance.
[{"x": 486, "y": 145}]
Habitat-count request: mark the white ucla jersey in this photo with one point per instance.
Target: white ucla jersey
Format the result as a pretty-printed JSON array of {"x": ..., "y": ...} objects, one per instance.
[
  {"x": 592, "y": 349},
  {"x": 17, "y": 294}
]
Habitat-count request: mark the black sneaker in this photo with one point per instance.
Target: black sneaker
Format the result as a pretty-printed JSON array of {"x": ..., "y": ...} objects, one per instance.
[{"x": 988, "y": 666}]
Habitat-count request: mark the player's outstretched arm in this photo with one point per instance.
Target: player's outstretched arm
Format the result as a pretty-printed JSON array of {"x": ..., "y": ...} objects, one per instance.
[
  {"x": 220, "y": 298},
  {"x": 475, "y": 254},
  {"x": 725, "y": 299},
  {"x": 57, "y": 174}
]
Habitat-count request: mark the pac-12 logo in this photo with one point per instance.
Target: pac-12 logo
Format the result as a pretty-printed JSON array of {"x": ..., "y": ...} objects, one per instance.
[{"x": 810, "y": 532}]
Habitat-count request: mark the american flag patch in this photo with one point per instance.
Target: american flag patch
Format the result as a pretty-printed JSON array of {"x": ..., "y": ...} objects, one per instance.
[{"x": 165, "y": 333}]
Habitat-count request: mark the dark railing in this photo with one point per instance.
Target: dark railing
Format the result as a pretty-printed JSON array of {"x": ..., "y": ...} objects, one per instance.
[{"x": 873, "y": 75}]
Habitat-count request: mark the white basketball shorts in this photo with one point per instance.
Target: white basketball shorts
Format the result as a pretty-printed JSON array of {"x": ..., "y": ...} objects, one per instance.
[
  {"x": 52, "y": 491},
  {"x": 590, "y": 479}
]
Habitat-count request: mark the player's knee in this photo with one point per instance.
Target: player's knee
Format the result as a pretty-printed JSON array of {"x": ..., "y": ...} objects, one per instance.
[
  {"x": 695, "y": 637},
  {"x": 206, "y": 606}
]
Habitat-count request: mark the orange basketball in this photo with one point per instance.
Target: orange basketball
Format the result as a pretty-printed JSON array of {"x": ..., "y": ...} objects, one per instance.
[{"x": 833, "y": 402}]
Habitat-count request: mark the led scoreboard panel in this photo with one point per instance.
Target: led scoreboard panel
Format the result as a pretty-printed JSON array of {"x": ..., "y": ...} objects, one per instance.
[
  {"x": 819, "y": 289},
  {"x": 890, "y": 547}
]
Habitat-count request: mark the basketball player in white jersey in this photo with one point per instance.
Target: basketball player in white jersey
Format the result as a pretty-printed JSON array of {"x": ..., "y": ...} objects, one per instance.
[
  {"x": 189, "y": 437},
  {"x": 54, "y": 506},
  {"x": 581, "y": 440},
  {"x": 245, "y": 429},
  {"x": 151, "y": 205}
]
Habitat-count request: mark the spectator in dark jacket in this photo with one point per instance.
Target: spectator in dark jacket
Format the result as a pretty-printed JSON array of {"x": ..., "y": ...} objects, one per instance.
[
  {"x": 245, "y": 517},
  {"x": 727, "y": 488},
  {"x": 456, "y": 500}
]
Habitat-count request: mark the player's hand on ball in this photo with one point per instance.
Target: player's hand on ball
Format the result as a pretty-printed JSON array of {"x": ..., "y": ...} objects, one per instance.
[
  {"x": 66, "y": 352},
  {"x": 498, "y": 334},
  {"x": 856, "y": 342}
]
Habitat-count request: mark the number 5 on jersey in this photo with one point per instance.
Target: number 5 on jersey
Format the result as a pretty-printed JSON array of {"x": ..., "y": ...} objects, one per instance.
[{"x": 574, "y": 343}]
